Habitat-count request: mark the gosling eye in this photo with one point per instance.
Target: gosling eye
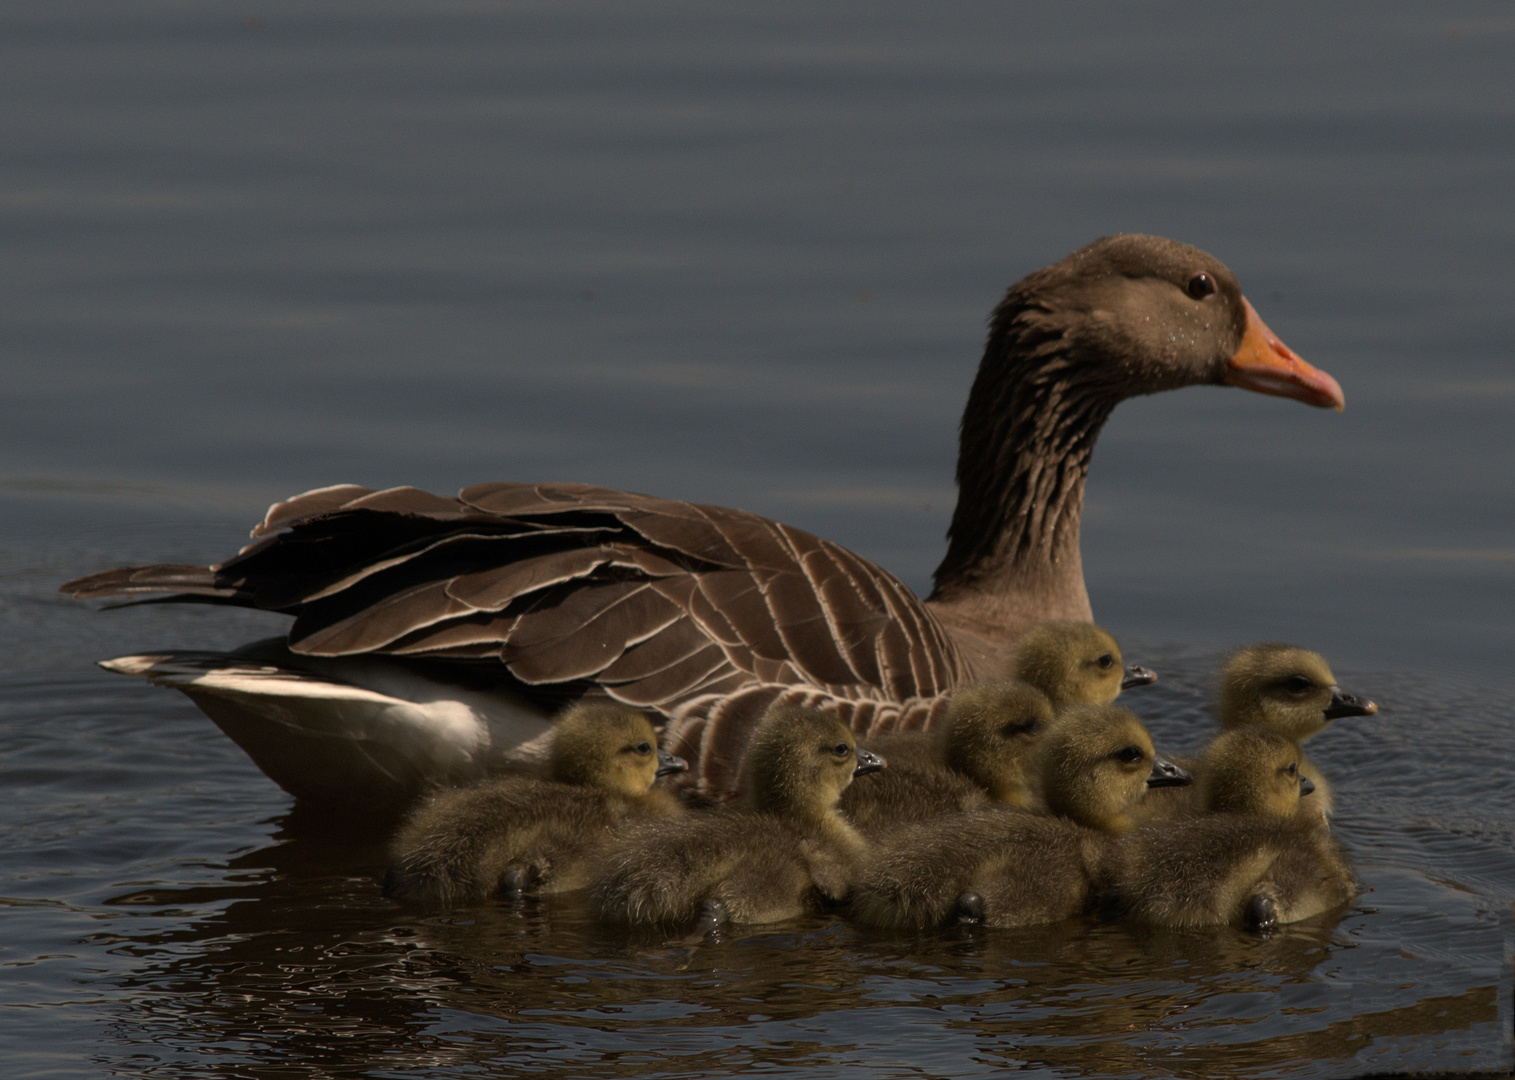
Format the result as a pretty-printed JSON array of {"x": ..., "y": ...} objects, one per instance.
[
  {"x": 841, "y": 749},
  {"x": 1129, "y": 755},
  {"x": 1298, "y": 684},
  {"x": 1200, "y": 286},
  {"x": 1106, "y": 661},
  {"x": 643, "y": 748},
  {"x": 1293, "y": 769},
  {"x": 1030, "y": 727}
]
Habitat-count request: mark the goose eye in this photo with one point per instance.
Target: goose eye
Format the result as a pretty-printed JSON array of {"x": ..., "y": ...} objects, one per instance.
[
  {"x": 841, "y": 749},
  {"x": 1106, "y": 661},
  {"x": 644, "y": 748},
  {"x": 1030, "y": 727},
  {"x": 1293, "y": 769},
  {"x": 1200, "y": 286},
  {"x": 1129, "y": 755},
  {"x": 1298, "y": 684}
]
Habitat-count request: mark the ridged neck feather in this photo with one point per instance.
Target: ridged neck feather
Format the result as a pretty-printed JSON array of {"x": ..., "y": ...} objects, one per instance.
[{"x": 1033, "y": 415}]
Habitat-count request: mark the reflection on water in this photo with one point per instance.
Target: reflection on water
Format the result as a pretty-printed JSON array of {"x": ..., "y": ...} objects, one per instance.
[
  {"x": 309, "y": 967},
  {"x": 740, "y": 254},
  {"x": 282, "y": 954}
]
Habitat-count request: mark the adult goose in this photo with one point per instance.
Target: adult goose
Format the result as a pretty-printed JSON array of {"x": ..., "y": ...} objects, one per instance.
[{"x": 433, "y": 636}]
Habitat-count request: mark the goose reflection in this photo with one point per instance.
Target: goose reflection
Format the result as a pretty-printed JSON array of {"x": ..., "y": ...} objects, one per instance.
[{"x": 292, "y": 960}]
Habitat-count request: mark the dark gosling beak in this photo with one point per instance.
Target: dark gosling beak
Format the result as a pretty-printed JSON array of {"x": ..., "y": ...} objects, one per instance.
[
  {"x": 1306, "y": 785},
  {"x": 867, "y": 762},
  {"x": 667, "y": 763},
  {"x": 1136, "y": 675},
  {"x": 1167, "y": 774},
  {"x": 1345, "y": 704}
]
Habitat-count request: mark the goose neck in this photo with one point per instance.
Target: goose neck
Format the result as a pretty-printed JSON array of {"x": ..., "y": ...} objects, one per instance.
[{"x": 1027, "y": 436}]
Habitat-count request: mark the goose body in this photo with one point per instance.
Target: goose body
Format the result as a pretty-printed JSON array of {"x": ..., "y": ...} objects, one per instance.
[
  {"x": 507, "y": 835},
  {"x": 434, "y": 636},
  {"x": 1005, "y": 867},
  {"x": 785, "y": 847},
  {"x": 1260, "y": 854}
]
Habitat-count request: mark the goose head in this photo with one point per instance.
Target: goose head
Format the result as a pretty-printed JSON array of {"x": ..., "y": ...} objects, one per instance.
[
  {"x": 990, "y": 735},
  {"x": 1096, "y": 764},
  {"x": 1125, "y": 316},
  {"x": 1255, "y": 771},
  {"x": 1141, "y": 314},
  {"x": 799, "y": 761},
  {"x": 1075, "y": 662},
  {"x": 610, "y": 747},
  {"x": 1284, "y": 689}
]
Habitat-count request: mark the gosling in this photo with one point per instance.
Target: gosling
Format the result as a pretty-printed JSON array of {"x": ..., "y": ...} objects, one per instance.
[
  {"x": 1259, "y": 856},
  {"x": 1075, "y": 663},
  {"x": 1004, "y": 867},
  {"x": 785, "y": 847},
  {"x": 982, "y": 751},
  {"x": 516, "y": 834},
  {"x": 1292, "y": 692}
]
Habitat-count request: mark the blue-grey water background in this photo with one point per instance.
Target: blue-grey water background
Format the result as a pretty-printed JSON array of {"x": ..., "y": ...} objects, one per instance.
[{"x": 743, "y": 254}]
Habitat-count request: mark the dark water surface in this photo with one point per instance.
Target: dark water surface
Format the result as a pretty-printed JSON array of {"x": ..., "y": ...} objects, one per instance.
[{"x": 742, "y": 254}]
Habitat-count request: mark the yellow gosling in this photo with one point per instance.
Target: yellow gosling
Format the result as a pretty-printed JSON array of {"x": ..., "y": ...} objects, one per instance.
[
  {"x": 516, "y": 834},
  {"x": 783, "y": 850}
]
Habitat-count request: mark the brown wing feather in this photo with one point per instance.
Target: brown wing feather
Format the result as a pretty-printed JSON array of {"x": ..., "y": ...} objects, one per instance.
[
  {"x": 854, "y": 624},
  {"x": 127, "y": 580},
  {"x": 705, "y": 613},
  {"x": 738, "y": 596},
  {"x": 674, "y": 681},
  {"x": 478, "y": 635},
  {"x": 493, "y": 589},
  {"x": 671, "y": 645},
  {"x": 379, "y": 624},
  {"x": 685, "y": 528},
  {"x": 559, "y": 645},
  {"x": 307, "y": 505}
]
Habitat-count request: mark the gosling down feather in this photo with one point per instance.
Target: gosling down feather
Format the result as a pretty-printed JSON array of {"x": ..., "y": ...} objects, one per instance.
[
  {"x": 509, "y": 835},
  {"x": 1286, "y": 690},
  {"x": 785, "y": 848},
  {"x": 1005, "y": 867},
  {"x": 983, "y": 750},
  {"x": 1259, "y": 855}
]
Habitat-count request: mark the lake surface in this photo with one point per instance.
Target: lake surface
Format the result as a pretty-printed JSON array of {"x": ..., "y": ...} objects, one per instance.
[{"x": 742, "y": 254}]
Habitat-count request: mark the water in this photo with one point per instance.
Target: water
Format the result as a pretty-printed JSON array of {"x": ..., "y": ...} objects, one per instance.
[{"x": 743, "y": 255}]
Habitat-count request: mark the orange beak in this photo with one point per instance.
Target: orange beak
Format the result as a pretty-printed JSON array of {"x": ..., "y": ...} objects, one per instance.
[{"x": 1267, "y": 365}]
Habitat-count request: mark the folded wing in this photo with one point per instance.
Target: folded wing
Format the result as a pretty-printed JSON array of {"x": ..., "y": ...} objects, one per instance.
[{"x": 706, "y": 614}]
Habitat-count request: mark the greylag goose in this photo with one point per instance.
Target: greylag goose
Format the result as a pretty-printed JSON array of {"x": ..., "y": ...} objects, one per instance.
[
  {"x": 785, "y": 848},
  {"x": 1005, "y": 867},
  {"x": 508, "y": 835},
  {"x": 433, "y": 636}
]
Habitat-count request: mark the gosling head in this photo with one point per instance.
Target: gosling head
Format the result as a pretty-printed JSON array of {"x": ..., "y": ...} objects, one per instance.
[
  {"x": 1096, "y": 764},
  {"x": 1252, "y": 770},
  {"x": 991, "y": 734},
  {"x": 1074, "y": 662},
  {"x": 799, "y": 761},
  {"x": 608, "y": 746},
  {"x": 1284, "y": 689}
]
